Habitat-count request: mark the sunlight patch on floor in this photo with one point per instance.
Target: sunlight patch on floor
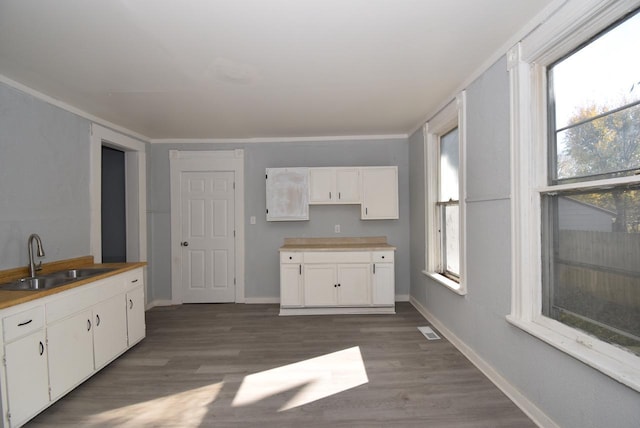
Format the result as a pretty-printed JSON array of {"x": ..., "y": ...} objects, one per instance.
[
  {"x": 317, "y": 378},
  {"x": 185, "y": 409}
]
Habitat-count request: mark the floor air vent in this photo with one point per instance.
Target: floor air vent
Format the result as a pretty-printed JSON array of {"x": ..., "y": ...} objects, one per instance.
[{"x": 429, "y": 333}]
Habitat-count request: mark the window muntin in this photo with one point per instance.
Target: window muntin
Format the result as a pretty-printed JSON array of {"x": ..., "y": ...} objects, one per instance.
[{"x": 590, "y": 238}]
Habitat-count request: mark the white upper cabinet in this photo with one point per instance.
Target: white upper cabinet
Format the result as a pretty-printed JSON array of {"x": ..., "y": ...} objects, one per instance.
[
  {"x": 380, "y": 193},
  {"x": 334, "y": 185},
  {"x": 290, "y": 191},
  {"x": 287, "y": 194}
]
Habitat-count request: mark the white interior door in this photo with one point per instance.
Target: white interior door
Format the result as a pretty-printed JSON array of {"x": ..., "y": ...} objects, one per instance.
[{"x": 207, "y": 242}]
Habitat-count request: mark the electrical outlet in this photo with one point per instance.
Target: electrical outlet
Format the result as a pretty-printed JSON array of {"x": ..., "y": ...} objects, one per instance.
[
  {"x": 336, "y": 228},
  {"x": 252, "y": 219}
]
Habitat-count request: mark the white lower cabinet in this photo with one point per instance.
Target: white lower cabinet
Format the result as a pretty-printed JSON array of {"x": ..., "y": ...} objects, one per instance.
[
  {"x": 343, "y": 284},
  {"x": 86, "y": 327},
  {"x": 336, "y": 282},
  {"x": 110, "y": 330},
  {"x": 26, "y": 377},
  {"x": 383, "y": 279},
  {"x": 70, "y": 352},
  {"x": 135, "y": 315}
]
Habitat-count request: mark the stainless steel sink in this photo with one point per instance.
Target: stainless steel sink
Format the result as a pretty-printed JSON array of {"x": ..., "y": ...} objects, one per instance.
[
  {"x": 35, "y": 283},
  {"x": 80, "y": 273},
  {"x": 54, "y": 279}
]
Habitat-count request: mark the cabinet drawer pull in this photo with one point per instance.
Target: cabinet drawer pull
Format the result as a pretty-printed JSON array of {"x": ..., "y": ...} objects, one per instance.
[
  {"x": 339, "y": 195},
  {"x": 130, "y": 304},
  {"x": 97, "y": 320},
  {"x": 88, "y": 325},
  {"x": 134, "y": 281},
  {"x": 374, "y": 268},
  {"x": 41, "y": 345},
  {"x": 24, "y": 323},
  {"x": 300, "y": 269}
]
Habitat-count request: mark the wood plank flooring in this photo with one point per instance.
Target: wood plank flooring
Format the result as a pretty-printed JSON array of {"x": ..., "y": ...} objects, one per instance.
[{"x": 227, "y": 365}]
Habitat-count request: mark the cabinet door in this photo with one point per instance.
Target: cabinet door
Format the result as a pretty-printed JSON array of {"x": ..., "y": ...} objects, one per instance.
[
  {"x": 110, "y": 330},
  {"x": 291, "y": 285},
  {"x": 26, "y": 374},
  {"x": 379, "y": 193},
  {"x": 322, "y": 185},
  {"x": 70, "y": 345},
  {"x": 136, "y": 327},
  {"x": 353, "y": 288},
  {"x": 348, "y": 185},
  {"x": 320, "y": 285},
  {"x": 383, "y": 284}
]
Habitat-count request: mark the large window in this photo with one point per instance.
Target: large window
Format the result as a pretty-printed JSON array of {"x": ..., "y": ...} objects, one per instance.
[
  {"x": 576, "y": 179},
  {"x": 591, "y": 277},
  {"x": 444, "y": 147}
]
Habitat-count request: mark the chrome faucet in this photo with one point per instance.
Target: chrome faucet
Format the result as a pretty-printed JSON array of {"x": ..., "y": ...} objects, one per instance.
[{"x": 32, "y": 264}]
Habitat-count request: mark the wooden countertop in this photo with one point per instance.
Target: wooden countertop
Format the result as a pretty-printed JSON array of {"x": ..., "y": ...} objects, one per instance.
[
  {"x": 337, "y": 244},
  {"x": 10, "y": 298}
]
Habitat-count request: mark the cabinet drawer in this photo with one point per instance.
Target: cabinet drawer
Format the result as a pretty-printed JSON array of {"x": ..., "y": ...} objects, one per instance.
[
  {"x": 290, "y": 257},
  {"x": 382, "y": 256},
  {"x": 23, "y": 323},
  {"x": 133, "y": 278},
  {"x": 337, "y": 257}
]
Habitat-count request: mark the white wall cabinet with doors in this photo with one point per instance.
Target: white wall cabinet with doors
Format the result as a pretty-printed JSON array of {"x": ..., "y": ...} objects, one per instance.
[
  {"x": 319, "y": 282},
  {"x": 375, "y": 188},
  {"x": 86, "y": 328},
  {"x": 334, "y": 185},
  {"x": 380, "y": 193}
]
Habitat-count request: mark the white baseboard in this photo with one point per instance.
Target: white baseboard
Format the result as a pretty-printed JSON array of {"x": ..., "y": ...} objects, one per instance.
[
  {"x": 530, "y": 409},
  {"x": 402, "y": 297},
  {"x": 159, "y": 302},
  {"x": 261, "y": 300}
]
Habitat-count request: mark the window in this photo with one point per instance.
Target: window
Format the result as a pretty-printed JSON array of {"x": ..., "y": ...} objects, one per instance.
[
  {"x": 576, "y": 180},
  {"x": 444, "y": 146}
]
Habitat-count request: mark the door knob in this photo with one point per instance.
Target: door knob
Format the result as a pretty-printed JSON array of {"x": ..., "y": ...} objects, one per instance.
[{"x": 184, "y": 244}]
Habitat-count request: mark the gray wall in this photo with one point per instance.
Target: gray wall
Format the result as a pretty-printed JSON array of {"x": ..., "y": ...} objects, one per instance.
[
  {"x": 264, "y": 238},
  {"x": 571, "y": 393},
  {"x": 44, "y": 179}
]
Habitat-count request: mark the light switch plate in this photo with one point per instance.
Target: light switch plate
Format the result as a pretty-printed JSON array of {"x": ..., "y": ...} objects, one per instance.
[{"x": 336, "y": 228}]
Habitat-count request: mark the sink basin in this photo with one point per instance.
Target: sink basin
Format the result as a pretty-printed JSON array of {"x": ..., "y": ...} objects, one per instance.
[
  {"x": 35, "y": 283},
  {"x": 80, "y": 273},
  {"x": 55, "y": 279}
]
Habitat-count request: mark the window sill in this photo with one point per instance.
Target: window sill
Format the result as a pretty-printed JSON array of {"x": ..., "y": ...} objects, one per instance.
[
  {"x": 586, "y": 349},
  {"x": 456, "y": 287}
]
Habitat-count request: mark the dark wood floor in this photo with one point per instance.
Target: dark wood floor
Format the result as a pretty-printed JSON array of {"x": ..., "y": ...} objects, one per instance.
[{"x": 228, "y": 365}]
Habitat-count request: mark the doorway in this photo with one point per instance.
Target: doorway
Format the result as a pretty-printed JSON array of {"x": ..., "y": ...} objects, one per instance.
[{"x": 113, "y": 206}]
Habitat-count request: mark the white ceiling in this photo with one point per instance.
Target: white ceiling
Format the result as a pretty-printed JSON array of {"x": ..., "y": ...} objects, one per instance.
[{"x": 254, "y": 68}]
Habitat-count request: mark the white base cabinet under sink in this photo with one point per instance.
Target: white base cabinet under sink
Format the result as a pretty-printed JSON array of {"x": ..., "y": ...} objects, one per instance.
[{"x": 51, "y": 345}]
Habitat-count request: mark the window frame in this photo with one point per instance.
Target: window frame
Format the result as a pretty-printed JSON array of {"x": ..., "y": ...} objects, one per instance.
[
  {"x": 575, "y": 23},
  {"x": 448, "y": 118}
]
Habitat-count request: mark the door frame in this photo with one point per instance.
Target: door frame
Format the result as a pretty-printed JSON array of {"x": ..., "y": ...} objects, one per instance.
[
  {"x": 206, "y": 161},
  {"x": 135, "y": 193}
]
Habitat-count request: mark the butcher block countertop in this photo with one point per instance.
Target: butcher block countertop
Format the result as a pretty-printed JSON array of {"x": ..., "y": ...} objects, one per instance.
[
  {"x": 337, "y": 244},
  {"x": 10, "y": 298}
]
